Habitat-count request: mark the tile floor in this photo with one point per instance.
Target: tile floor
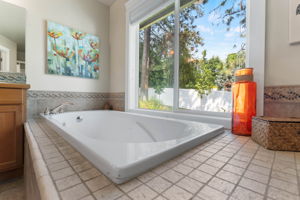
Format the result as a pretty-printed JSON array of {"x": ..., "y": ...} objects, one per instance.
[
  {"x": 12, "y": 190},
  {"x": 226, "y": 167}
]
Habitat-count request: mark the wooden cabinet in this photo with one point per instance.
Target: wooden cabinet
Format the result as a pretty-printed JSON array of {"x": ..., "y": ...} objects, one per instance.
[{"x": 12, "y": 118}]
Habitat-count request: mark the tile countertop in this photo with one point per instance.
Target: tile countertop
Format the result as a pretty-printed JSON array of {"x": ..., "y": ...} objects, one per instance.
[{"x": 226, "y": 166}]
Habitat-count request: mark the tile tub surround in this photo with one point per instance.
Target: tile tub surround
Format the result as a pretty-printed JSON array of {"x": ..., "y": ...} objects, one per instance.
[
  {"x": 282, "y": 101},
  {"x": 39, "y": 100},
  {"x": 226, "y": 167}
]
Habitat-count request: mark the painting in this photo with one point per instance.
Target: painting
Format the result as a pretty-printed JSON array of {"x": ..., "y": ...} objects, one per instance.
[
  {"x": 294, "y": 21},
  {"x": 72, "y": 52}
]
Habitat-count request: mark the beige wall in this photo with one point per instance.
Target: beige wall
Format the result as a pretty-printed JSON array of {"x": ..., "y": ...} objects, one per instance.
[
  {"x": 117, "y": 46},
  {"x": 86, "y": 15},
  {"x": 12, "y": 46},
  {"x": 282, "y": 59}
]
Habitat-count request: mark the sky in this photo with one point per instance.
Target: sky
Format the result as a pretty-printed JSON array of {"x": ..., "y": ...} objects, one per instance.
[{"x": 218, "y": 41}]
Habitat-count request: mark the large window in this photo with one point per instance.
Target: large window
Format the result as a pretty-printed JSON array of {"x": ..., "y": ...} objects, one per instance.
[
  {"x": 156, "y": 61},
  {"x": 211, "y": 41}
]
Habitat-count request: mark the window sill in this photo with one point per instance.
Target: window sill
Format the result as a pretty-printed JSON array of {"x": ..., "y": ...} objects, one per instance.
[{"x": 190, "y": 116}]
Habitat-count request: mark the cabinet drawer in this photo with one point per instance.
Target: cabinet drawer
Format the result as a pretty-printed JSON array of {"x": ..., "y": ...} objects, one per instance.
[{"x": 11, "y": 96}]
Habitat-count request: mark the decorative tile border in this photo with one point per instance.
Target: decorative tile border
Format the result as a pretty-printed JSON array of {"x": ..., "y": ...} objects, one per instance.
[
  {"x": 38, "y": 101},
  {"x": 12, "y": 77},
  {"x": 282, "y": 94},
  {"x": 59, "y": 94}
]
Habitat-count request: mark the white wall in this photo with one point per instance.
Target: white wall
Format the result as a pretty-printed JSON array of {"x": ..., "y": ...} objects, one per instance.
[
  {"x": 86, "y": 15},
  {"x": 117, "y": 46},
  {"x": 282, "y": 59},
  {"x": 12, "y": 47}
]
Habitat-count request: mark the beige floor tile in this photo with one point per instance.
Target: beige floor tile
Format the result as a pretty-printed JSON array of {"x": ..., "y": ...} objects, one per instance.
[
  {"x": 257, "y": 177},
  {"x": 124, "y": 197},
  {"x": 228, "y": 176},
  {"x": 199, "y": 158},
  {"x": 147, "y": 176},
  {"x": 281, "y": 195},
  {"x": 97, "y": 183},
  {"x": 208, "y": 169},
  {"x": 89, "y": 174},
  {"x": 89, "y": 197},
  {"x": 55, "y": 160},
  {"x": 224, "y": 153},
  {"x": 160, "y": 198},
  {"x": 200, "y": 176},
  {"x": 238, "y": 163},
  {"x": 284, "y": 177},
  {"x": 215, "y": 163},
  {"x": 130, "y": 185},
  {"x": 262, "y": 163},
  {"x": 192, "y": 163},
  {"x": 176, "y": 193},
  {"x": 221, "y": 185},
  {"x": 253, "y": 185},
  {"x": 259, "y": 169},
  {"x": 67, "y": 182},
  {"x": 244, "y": 194},
  {"x": 143, "y": 192},
  {"x": 190, "y": 185},
  {"x": 172, "y": 176},
  {"x": 234, "y": 169},
  {"x": 183, "y": 169},
  {"x": 282, "y": 185},
  {"x": 208, "y": 193},
  {"x": 82, "y": 166},
  {"x": 107, "y": 193},
  {"x": 205, "y": 153},
  {"x": 160, "y": 169},
  {"x": 221, "y": 158},
  {"x": 62, "y": 173},
  {"x": 76, "y": 192},
  {"x": 159, "y": 184},
  {"x": 58, "y": 166}
]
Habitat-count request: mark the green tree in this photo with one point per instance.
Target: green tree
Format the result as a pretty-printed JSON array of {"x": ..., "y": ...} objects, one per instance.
[{"x": 207, "y": 73}]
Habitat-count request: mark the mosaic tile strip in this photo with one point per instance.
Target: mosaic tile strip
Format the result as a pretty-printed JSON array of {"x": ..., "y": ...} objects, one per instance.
[
  {"x": 38, "y": 101},
  {"x": 12, "y": 77},
  {"x": 226, "y": 167},
  {"x": 282, "y": 94},
  {"x": 58, "y": 94}
]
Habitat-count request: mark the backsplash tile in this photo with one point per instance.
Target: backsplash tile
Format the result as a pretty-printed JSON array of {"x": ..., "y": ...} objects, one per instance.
[
  {"x": 12, "y": 77},
  {"x": 38, "y": 101},
  {"x": 282, "y": 101}
]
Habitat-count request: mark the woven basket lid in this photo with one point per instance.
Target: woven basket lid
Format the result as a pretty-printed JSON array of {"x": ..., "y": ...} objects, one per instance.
[{"x": 245, "y": 74}]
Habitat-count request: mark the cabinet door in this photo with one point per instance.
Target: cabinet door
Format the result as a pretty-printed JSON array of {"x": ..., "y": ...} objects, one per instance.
[{"x": 11, "y": 137}]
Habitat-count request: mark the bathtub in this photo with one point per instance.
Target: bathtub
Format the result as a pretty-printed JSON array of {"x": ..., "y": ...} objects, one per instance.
[{"x": 123, "y": 145}]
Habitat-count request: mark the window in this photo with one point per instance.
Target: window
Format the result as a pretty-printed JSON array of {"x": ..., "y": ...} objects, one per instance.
[
  {"x": 212, "y": 46},
  {"x": 156, "y": 61},
  {"x": 189, "y": 66}
]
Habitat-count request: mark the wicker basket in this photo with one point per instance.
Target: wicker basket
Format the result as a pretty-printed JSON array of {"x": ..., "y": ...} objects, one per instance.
[{"x": 277, "y": 133}]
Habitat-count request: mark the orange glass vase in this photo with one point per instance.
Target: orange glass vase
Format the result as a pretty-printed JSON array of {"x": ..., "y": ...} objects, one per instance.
[{"x": 244, "y": 101}]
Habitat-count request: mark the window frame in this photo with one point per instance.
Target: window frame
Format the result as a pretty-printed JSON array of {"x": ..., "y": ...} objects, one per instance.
[{"x": 255, "y": 57}]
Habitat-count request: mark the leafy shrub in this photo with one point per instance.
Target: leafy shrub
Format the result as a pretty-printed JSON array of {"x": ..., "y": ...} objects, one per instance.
[{"x": 153, "y": 104}]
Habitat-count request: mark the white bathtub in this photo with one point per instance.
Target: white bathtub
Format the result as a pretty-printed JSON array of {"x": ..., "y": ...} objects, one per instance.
[{"x": 123, "y": 145}]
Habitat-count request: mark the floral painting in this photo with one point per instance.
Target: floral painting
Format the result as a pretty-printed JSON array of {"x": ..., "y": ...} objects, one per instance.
[{"x": 72, "y": 52}]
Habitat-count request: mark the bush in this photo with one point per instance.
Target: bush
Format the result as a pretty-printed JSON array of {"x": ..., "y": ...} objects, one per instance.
[{"x": 153, "y": 104}]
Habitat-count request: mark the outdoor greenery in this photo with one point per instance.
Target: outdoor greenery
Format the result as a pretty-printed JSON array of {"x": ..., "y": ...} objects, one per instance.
[
  {"x": 195, "y": 72},
  {"x": 153, "y": 104}
]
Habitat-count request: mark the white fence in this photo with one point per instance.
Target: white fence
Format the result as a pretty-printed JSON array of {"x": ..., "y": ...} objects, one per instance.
[{"x": 216, "y": 101}]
